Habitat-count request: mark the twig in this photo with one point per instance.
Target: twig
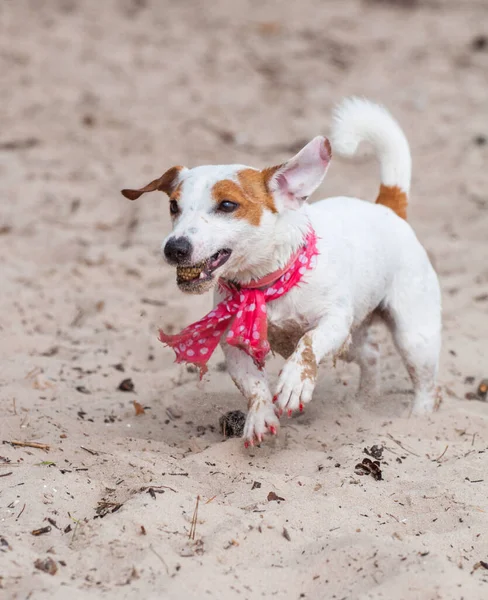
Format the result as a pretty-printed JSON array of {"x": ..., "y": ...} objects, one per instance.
[
  {"x": 20, "y": 513},
  {"x": 193, "y": 527},
  {"x": 159, "y": 487},
  {"x": 401, "y": 445},
  {"x": 6, "y": 474},
  {"x": 94, "y": 452},
  {"x": 23, "y": 144},
  {"x": 33, "y": 372},
  {"x": 160, "y": 558},
  {"x": 152, "y": 302},
  {"x": 27, "y": 444},
  {"x": 439, "y": 457},
  {"x": 42, "y": 530},
  {"x": 75, "y": 530}
]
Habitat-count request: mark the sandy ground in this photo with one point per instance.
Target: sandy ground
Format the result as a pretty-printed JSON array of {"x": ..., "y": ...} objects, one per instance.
[{"x": 96, "y": 96}]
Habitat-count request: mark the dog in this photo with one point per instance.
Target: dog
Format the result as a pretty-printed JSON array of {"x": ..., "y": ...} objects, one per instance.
[{"x": 303, "y": 280}]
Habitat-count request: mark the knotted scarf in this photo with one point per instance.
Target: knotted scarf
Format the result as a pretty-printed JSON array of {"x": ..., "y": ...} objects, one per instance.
[{"x": 242, "y": 314}]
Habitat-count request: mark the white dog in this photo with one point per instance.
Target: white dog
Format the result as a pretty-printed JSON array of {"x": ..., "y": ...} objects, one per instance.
[{"x": 304, "y": 280}]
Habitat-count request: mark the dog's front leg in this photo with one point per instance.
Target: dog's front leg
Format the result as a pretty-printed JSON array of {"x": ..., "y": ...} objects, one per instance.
[
  {"x": 253, "y": 385},
  {"x": 299, "y": 374}
]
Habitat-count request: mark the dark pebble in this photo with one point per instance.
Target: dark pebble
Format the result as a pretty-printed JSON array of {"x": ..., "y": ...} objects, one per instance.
[
  {"x": 479, "y": 43},
  {"x": 126, "y": 385}
]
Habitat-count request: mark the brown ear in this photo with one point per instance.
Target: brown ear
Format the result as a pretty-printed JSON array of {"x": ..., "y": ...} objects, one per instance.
[{"x": 166, "y": 183}]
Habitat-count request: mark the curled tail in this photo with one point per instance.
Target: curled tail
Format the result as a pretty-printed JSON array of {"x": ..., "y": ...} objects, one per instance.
[{"x": 357, "y": 120}]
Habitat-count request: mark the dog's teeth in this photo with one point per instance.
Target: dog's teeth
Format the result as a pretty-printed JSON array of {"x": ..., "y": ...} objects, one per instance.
[{"x": 190, "y": 273}]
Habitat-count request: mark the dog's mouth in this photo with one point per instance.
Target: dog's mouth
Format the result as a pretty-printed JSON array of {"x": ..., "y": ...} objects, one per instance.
[{"x": 190, "y": 278}]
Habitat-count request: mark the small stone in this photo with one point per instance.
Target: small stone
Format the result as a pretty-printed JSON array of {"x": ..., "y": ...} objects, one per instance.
[
  {"x": 126, "y": 385},
  {"x": 273, "y": 497},
  {"x": 82, "y": 389},
  {"x": 47, "y": 565},
  {"x": 479, "y": 43},
  {"x": 483, "y": 389},
  {"x": 88, "y": 120},
  {"x": 174, "y": 412}
]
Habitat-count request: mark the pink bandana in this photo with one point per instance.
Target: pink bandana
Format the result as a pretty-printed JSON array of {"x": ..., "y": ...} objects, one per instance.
[{"x": 243, "y": 313}]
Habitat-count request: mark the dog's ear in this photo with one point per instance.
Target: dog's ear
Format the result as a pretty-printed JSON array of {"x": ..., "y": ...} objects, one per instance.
[
  {"x": 294, "y": 181},
  {"x": 166, "y": 183}
]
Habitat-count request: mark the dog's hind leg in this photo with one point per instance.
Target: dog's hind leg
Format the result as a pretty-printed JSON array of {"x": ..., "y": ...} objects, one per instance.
[
  {"x": 253, "y": 385},
  {"x": 419, "y": 348},
  {"x": 414, "y": 317},
  {"x": 365, "y": 352}
]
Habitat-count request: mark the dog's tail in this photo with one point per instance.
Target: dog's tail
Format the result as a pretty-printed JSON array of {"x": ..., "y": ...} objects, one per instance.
[{"x": 357, "y": 120}]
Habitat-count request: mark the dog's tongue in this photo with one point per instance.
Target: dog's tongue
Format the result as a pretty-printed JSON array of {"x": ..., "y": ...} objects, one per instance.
[{"x": 215, "y": 263}]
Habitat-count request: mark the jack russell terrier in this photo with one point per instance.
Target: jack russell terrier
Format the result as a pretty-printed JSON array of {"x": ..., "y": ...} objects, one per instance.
[{"x": 305, "y": 281}]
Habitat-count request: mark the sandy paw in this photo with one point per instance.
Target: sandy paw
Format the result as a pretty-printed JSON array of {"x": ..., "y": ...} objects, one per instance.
[
  {"x": 295, "y": 388},
  {"x": 261, "y": 419}
]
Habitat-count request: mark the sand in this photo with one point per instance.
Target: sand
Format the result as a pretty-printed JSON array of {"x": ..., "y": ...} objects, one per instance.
[{"x": 97, "y": 96}]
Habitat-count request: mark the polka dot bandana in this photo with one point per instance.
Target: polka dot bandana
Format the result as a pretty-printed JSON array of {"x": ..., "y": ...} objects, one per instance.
[{"x": 241, "y": 317}]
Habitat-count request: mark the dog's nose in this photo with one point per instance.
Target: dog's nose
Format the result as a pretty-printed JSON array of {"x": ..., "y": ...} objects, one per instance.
[{"x": 178, "y": 249}]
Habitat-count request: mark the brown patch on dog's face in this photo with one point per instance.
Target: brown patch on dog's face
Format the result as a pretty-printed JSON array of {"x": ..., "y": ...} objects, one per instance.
[
  {"x": 174, "y": 196},
  {"x": 250, "y": 193},
  {"x": 176, "y": 193},
  {"x": 254, "y": 185},
  {"x": 165, "y": 183},
  {"x": 269, "y": 172},
  {"x": 395, "y": 198}
]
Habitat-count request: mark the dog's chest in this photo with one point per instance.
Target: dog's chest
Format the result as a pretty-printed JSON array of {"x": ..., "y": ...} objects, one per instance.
[
  {"x": 284, "y": 339},
  {"x": 286, "y": 325}
]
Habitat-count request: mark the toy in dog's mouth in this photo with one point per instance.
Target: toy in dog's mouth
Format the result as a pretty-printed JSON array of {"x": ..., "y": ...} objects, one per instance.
[{"x": 194, "y": 278}]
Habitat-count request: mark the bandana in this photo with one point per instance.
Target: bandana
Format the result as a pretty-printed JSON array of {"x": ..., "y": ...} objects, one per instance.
[{"x": 242, "y": 314}]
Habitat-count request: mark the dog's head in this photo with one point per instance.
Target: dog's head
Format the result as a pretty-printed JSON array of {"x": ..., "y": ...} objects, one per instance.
[{"x": 234, "y": 221}]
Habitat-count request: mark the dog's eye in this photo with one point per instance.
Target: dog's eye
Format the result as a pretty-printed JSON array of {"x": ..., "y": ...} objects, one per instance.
[
  {"x": 227, "y": 206},
  {"x": 173, "y": 207}
]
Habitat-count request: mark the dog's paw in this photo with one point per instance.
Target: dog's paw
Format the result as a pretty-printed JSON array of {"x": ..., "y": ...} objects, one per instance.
[
  {"x": 423, "y": 406},
  {"x": 426, "y": 402},
  {"x": 295, "y": 387},
  {"x": 261, "y": 419}
]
